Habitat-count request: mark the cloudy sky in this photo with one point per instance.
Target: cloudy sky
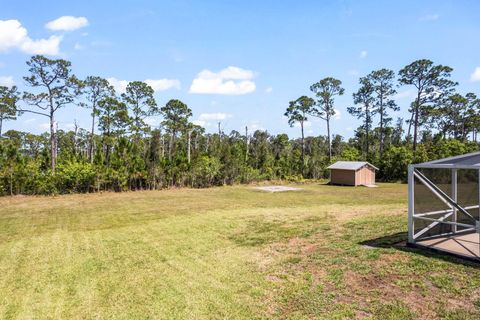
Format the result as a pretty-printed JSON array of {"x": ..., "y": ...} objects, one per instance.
[{"x": 238, "y": 62}]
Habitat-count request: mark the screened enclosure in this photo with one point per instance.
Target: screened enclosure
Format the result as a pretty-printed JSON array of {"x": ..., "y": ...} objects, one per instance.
[{"x": 444, "y": 205}]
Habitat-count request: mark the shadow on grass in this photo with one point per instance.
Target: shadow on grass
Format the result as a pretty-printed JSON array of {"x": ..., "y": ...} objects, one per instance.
[{"x": 398, "y": 241}]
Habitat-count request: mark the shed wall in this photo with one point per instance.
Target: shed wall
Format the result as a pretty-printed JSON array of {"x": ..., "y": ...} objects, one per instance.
[
  {"x": 365, "y": 176},
  {"x": 345, "y": 177}
]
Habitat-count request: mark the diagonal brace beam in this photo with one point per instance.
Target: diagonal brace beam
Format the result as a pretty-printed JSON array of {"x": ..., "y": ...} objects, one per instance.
[{"x": 442, "y": 194}]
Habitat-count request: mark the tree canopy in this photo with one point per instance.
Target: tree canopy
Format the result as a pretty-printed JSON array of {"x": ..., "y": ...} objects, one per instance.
[{"x": 123, "y": 149}]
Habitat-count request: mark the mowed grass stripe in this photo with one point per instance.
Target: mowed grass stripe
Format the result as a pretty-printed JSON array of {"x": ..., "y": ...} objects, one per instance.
[
  {"x": 164, "y": 261},
  {"x": 222, "y": 253}
]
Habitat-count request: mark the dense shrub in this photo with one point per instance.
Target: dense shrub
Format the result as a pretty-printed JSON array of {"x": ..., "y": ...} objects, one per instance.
[
  {"x": 204, "y": 171},
  {"x": 25, "y": 167},
  {"x": 394, "y": 163},
  {"x": 75, "y": 177}
]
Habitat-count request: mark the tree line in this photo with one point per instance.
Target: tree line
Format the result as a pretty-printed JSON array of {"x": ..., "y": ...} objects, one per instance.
[{"x": 119, "y": 151}]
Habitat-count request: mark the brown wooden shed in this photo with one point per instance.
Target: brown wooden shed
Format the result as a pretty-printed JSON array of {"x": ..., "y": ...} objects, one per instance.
[{"x": 352, "y": 173}]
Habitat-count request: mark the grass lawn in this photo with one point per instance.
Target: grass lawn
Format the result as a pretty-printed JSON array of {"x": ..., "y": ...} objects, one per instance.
[{"x": 225, "y": 253}]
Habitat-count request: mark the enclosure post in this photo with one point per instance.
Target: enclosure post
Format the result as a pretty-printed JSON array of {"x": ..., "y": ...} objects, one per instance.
[
  {"x": 410, "y": 203},
  {"x": 454, "y": 197}
]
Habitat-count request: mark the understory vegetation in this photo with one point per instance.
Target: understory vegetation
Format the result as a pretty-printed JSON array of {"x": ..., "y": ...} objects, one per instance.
[
  {"x": 121, "y": 152},
  {"x": 322, "y": 252}
]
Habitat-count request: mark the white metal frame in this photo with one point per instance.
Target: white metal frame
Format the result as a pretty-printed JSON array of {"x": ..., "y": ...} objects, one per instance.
[{"x": 451, "y": 202}]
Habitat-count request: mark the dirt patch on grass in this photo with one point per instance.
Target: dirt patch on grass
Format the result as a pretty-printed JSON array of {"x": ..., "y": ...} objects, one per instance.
[
  {"x": 381, "y": 286},
  {"x": 359, "y": 288}
]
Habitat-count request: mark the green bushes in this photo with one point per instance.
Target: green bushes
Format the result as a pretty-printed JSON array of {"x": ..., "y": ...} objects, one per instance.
[
  {"x": 75, "y": 177},
  {"x": 135, "y": 166},
  {"x": 205, "y": 171},
  {"x": 394, "y": 163}
]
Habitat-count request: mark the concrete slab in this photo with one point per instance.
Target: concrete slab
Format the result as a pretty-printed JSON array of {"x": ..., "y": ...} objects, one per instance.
[
  {"x": 277, "y": 188},
  {"x": 467, "y": 245}
]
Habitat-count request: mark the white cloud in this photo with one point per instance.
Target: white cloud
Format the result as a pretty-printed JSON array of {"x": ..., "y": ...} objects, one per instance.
[
  {"x": 157, "y": 85},
  {"x": 236, "y": 73},
  {"x": 430, "y": 17},
  {"x": 268, "y": 90},
  {"x": 337, "y": 115},
  {"x": 44, "y": 126},
  {"x": 43, "y": 46},
  {"x": 214, "y": 116},
  {"x": 119, "y": 85},
  {"x": 306, "y": 124},
  {"x": 14, "y": 36},
  {"x": 67, "y": 126},
  {"x": 363, "y": 54},
  {"x": 7, "y": 81},
  {"x": 152, "y": 121},
  {"x": 163, "y": 84},
  {"x": 206, "y": 119},
  {"x": 254, "y": 126},
  {"x": 78, "y": 46},
  {"x": 67, "y": 23},
  {"x": 475, "y": 76},
  {"x": 200, "y": 123},
  {"x": 29, "y": 120},
  {"x": 230, "y": 81}
]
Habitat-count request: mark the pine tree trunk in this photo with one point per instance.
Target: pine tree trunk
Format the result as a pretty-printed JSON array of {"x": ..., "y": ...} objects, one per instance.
[
  {"x": 328, "y": 141},
  {"x": 188, "y": 145},
  {"x": 163, "y": 146},
  {"x": 410, "y": 124},
  {"x": 246, "y": 143},
  {"x": 381, "y": 127},
  {"x": 303, "y": 149},
  {"x": 415, "y": 125},
  {"x": 367, "y": 125},
  {"x": 170, "y": 148},
  {"x": 53, "y": 143},
  {"x": 92, "y": 132}
]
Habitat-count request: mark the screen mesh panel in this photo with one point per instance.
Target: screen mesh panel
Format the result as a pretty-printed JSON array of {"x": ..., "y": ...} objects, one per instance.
[
  {"x": 426, "y": 201},
  {"x": 467, "y": 193}
]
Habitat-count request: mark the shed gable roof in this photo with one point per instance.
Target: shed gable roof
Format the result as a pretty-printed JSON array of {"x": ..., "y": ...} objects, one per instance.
[{"x": 350, "y": 165}]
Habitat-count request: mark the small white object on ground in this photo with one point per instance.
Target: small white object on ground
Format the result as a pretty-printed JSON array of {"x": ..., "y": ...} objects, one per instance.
[
  {"x": 277, "y": 188},
  {"x": 371, "y": 185}
]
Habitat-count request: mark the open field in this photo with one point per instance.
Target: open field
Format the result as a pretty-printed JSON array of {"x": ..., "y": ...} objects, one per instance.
[{"x": 230, "y": 252}]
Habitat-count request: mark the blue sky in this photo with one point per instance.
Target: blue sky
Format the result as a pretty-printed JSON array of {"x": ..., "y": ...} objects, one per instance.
[{"x": 239, "y": 62}]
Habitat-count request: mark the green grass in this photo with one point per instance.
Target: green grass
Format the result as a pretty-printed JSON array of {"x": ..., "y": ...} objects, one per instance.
[{"x": 224, "y": 253}]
